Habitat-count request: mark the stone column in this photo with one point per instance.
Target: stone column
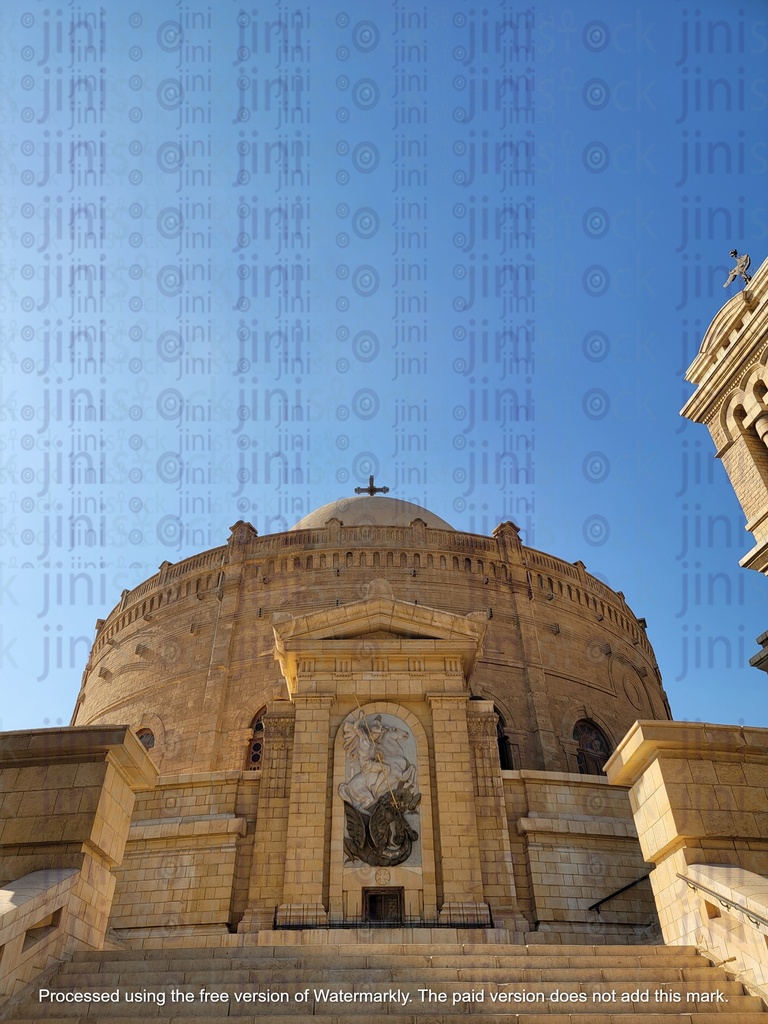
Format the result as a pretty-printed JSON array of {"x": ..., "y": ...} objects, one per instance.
[
  {"x": 266, "y": 887},
  {"x": 462, "y": 875},
  {"x": 491, "y": 815},
  {"x": 308, "y": 819}
]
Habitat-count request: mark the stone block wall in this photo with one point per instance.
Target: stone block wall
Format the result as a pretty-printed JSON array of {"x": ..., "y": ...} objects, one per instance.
[
  {"x": 182, "y": 856},
  {"x": 191, "y": 868},
  {"x": 574, "y": 842}
]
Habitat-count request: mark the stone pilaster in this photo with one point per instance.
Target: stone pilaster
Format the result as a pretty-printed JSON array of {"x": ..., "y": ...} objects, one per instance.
[
  {"x": 462, "y": 875},
  {"x": 491, "y": 816},
  {"x": 269, "y": 845},
  {"x": 307, "y": 814},
  {"x": 225, "y": 600},
  {"x": 546, "y": 746}
]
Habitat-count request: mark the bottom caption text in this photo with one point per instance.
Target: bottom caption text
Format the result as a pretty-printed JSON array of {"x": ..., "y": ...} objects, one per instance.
[{"x": 509, "y": 994}]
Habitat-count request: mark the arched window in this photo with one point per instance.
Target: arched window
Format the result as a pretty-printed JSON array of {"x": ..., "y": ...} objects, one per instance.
[
  {"x": 146, "y": 738},
  {"x": 505, "y": 750},
  {"x": 256, "y": 746},
  {"x": 593, "y": 747}
]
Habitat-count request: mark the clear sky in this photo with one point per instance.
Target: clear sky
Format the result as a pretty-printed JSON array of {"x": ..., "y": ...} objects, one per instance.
[{"x": 248, "y": 259}]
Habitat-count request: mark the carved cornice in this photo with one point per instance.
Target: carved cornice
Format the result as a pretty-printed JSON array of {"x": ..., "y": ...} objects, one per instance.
[{"x": 279, "y": 725}]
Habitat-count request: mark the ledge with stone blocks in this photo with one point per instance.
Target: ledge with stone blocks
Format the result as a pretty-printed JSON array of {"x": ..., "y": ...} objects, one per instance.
[
  {"x": 66, "y": 797},
  {"x": 80, "y": 743},
  {"x": 65, "y": 793},
  {"x": 579, "y": 844},
  {"x": 697, "y": 741}
]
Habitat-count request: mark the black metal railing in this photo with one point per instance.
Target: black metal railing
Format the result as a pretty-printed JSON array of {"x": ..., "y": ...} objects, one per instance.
[
  {"x": 752, "y": 916},
  {"x": 294, "y": 920},
  {"x": 618, "y": 892}
]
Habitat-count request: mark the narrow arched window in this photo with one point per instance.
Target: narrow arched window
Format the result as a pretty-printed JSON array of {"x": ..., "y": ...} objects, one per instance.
[
  {"x": 505, "y": 750},
  {"x": 256, "y": 745},
  {"x": 147, "y": 738},
  {"x": 593, "y": 748}
]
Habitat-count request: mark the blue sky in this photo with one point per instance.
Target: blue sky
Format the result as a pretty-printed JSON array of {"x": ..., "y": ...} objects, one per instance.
[{"x": 247, "y": 260}]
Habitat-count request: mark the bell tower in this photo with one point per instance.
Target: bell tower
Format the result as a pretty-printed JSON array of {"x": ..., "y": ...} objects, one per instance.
[{"x": 731, "y": 399}]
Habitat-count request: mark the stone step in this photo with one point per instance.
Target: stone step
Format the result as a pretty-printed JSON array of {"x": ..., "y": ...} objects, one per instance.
[
  {"x": 466, "y": 976},
  {"x": 446, "y": 1015},
  {"x": 239, "y": 959},
  {"x": 380, "y": 949},
  {"x": 74, "y": 976},
  {"x": 390, "y": 966}
]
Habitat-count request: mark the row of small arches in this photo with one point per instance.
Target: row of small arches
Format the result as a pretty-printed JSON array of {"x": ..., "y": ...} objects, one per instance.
[
  {"x": 202, "y": 585},
  {"x": 575, "y": 594},
  {"x": 388, "y": 559}
]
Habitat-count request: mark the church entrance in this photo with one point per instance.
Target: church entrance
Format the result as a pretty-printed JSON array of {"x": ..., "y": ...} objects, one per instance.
[{"x": 383, "y": 906}]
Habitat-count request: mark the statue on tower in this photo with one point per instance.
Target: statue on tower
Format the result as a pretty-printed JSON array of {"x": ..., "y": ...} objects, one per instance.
[{"x": 741, "y": 268}]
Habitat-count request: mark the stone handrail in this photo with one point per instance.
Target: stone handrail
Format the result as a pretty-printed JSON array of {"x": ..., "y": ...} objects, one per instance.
[
  {"x": 33, "y": 925},
  {"x": 733, "y": 919}
]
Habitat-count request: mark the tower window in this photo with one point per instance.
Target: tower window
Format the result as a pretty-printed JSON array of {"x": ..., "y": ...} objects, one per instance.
[
  {"x": 256, "y": 746},
  {"x": 146, "y": 738},
  {"x": 593, "y": 747},
  {"x": 505, "y": 750}
]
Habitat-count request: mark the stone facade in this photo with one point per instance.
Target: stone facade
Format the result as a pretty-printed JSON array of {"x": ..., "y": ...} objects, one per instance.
[
  {"x": 731, "y": 377},
  {"x": 253, "y": 673}
]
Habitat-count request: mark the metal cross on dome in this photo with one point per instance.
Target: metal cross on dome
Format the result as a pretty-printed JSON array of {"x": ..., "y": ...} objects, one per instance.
[{"x": 370, "y": 489}]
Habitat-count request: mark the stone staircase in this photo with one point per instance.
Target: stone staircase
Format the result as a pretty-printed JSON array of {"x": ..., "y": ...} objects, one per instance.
[{"x": 372, "y": 983}]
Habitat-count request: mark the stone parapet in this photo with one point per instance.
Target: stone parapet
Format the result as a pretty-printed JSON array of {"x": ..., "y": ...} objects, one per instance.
[
  {"x": 66, "y": 798},
  {"x": 65, "y": 793},
  {"x": 699, "y": 795},
  {"x": 277, "y": 559}
]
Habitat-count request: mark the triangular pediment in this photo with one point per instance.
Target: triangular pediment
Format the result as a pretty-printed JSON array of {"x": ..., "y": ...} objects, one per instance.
[
  {"x": 378, "y": 627},
  {"x": 382, "y": 634},
  {"x": 379, "y": 618}
]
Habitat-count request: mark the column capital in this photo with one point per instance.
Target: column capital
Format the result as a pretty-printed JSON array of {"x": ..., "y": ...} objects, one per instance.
[{"x": 482, "y": 727}]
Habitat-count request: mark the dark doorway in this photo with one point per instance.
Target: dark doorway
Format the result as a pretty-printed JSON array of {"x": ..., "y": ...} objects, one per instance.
[{"x": 383, "y": 906}]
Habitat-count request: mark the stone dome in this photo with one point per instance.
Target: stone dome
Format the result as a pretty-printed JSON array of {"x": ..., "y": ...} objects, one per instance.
[
  {"x": 371, "y": 510},
  {"x": 549, "y": 628}
]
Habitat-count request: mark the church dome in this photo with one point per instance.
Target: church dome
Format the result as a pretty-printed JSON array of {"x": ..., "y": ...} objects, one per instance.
[
  {"x": 371, "y": 510},
  {"x": 196, "y": 643}
]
